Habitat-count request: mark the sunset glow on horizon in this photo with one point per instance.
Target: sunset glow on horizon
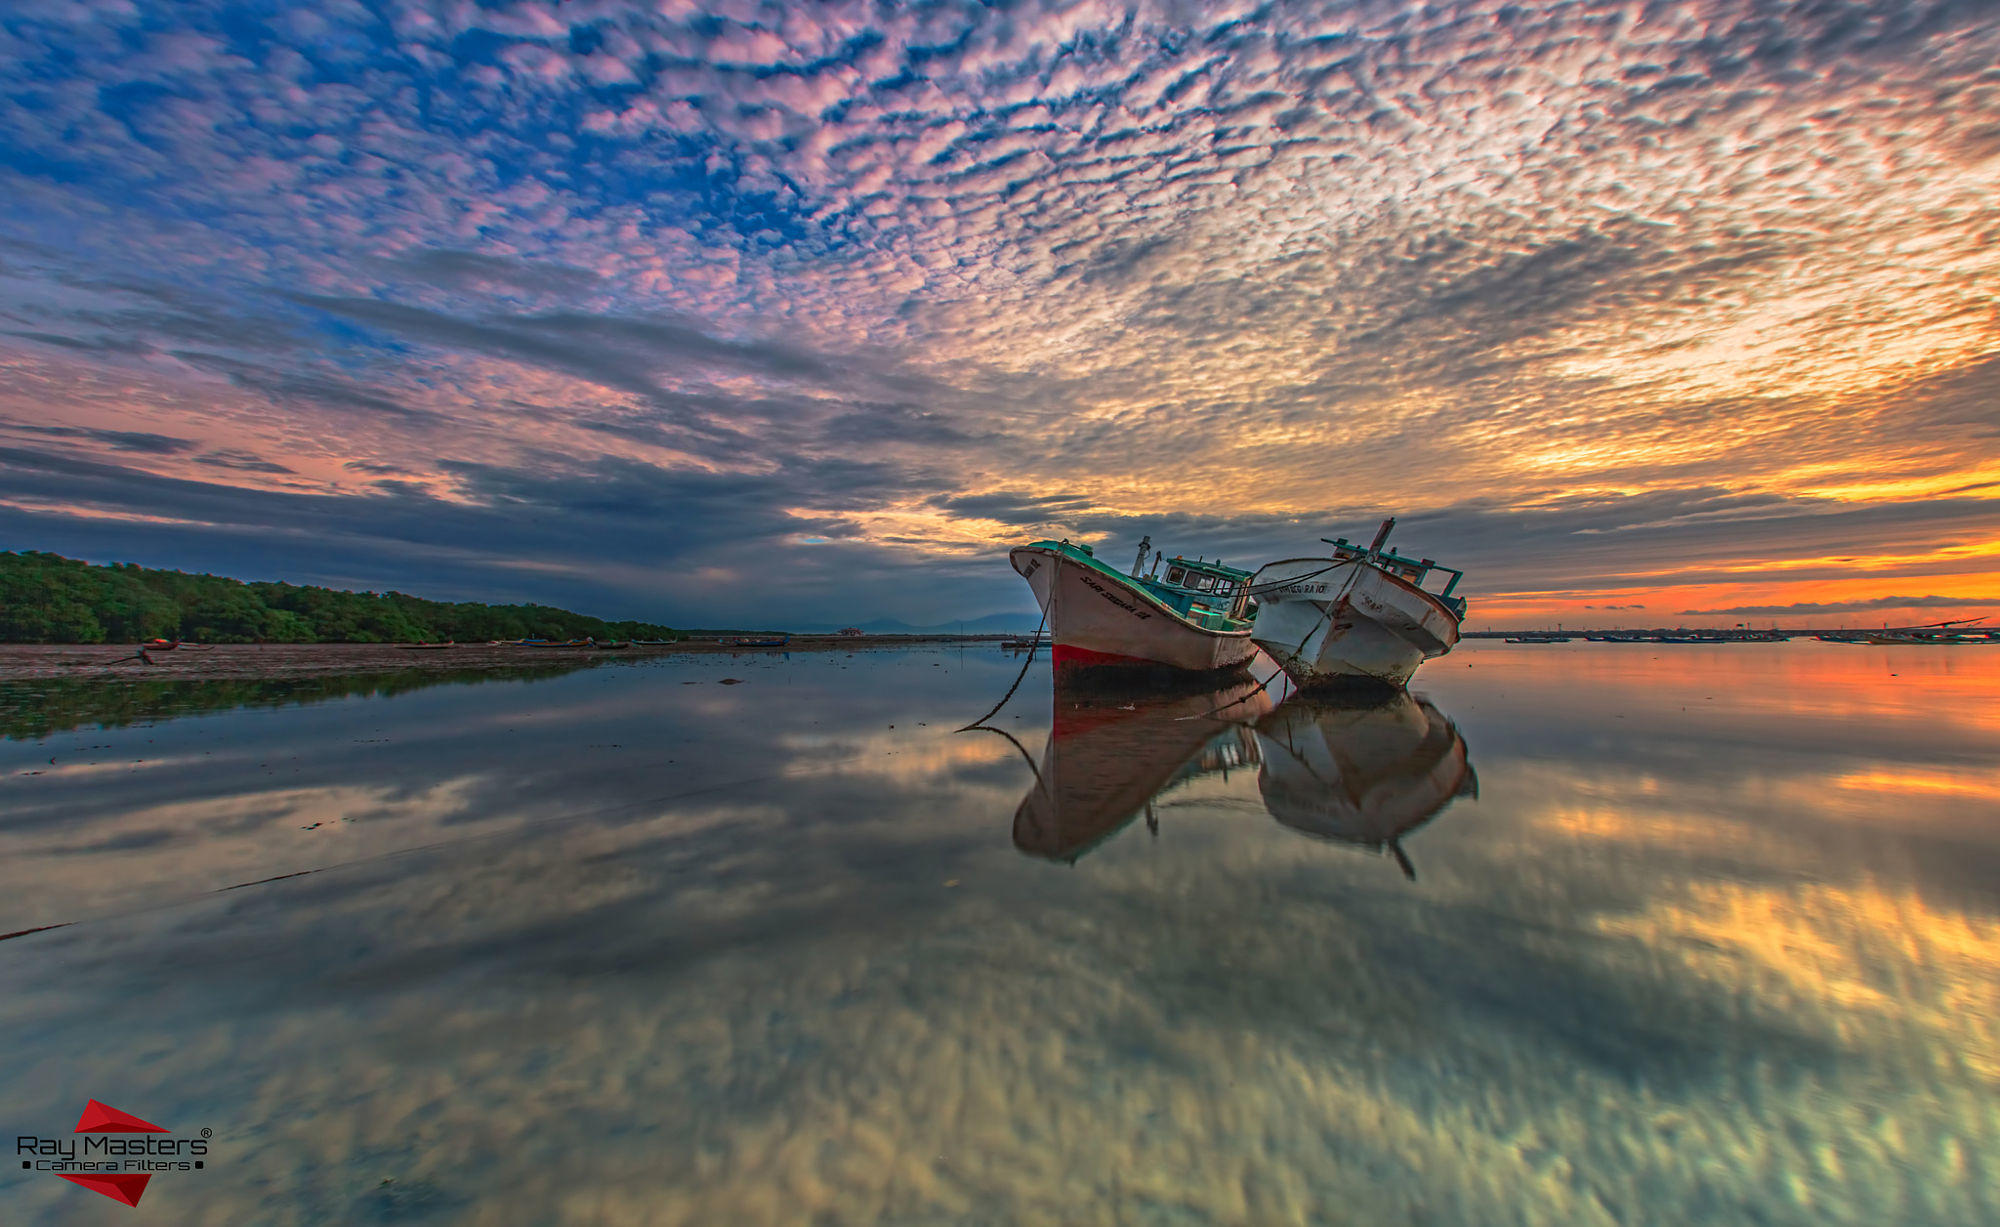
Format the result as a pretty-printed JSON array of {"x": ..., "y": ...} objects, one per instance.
[{"x": 1642, "y": 314}]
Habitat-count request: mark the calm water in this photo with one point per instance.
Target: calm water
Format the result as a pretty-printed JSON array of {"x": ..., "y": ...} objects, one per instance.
[{"x": 1596, "y": 934}]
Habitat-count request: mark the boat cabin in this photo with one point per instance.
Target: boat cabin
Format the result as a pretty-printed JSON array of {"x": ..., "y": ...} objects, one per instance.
[
  {"x": 1203, "y": 592},
  {"x": 1417, "y": 571}
]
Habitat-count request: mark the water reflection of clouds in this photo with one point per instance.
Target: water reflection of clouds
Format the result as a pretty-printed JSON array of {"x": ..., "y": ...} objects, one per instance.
[{"x": 766, "y": 1005}]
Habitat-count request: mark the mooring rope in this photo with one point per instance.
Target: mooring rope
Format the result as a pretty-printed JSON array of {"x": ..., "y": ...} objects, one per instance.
[
  {"x": 1274, "y": 585},
  {"x": 1326, "y": 613},
  {"x": 1025, "y": 757},
  {"x": 1244, "y": 698},
  {"x": 1032, "y": 647},
  {"x": 1326, "y": 608}
]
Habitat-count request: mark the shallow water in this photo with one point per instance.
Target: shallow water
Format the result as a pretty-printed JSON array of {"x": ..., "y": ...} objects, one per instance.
[{"x": 1594, "y": 934}]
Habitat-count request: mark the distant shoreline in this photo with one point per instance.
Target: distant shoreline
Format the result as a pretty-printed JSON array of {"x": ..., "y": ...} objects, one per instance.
[{"x": 40, "y": 662}]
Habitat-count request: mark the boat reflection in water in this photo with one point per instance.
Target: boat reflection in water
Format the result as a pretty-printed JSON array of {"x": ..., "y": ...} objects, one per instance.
[
  {"x": 1364, "y": 774},
  {"x": 1110, "y": 753}
]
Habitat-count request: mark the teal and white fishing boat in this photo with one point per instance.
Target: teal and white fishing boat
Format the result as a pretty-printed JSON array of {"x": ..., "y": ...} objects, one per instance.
[
  {"x": 1192, "y": 618},
  {"x": 1360, "y": 614}
]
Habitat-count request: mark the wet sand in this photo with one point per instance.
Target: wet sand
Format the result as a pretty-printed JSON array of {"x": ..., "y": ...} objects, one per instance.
[{"x": 22, "y": 662}]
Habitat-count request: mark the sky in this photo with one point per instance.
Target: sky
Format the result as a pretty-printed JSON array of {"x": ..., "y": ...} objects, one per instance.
[{"x": 756, "y": 314}]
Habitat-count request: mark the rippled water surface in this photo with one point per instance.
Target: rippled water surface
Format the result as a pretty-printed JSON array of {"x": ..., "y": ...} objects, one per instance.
[{"x": 1600, "y": 934}]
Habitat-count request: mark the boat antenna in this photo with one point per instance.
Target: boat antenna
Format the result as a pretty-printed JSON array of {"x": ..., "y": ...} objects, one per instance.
[{"x": 1145, "y": 543}]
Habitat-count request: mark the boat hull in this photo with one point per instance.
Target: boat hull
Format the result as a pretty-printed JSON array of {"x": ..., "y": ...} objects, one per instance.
[
  {"x": 1329, "y": 623},
  {"x": 1099, "y": 621}
]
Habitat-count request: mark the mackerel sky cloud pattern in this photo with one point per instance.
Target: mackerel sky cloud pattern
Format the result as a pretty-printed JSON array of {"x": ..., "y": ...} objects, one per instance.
[{"x": 700, "y": 311}]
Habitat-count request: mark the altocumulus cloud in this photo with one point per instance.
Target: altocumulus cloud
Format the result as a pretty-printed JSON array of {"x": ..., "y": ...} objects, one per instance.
[{"x": 863, "y": 290}]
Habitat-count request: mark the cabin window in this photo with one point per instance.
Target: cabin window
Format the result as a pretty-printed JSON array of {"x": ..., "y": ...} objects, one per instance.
[{"x": 1176, "y": 575}]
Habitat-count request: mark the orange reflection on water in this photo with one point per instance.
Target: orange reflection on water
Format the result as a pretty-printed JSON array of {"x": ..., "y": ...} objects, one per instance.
[
  {"x": 1673, "y": 830},
  {"x": 1943, "y": 689},
  {"x": 1982, "y": 784},
  {"x": 1876, "y": 967}
]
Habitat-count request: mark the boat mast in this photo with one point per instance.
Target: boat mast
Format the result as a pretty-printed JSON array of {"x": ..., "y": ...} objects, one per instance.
[
  {"x": 1381, "y": 537},
  {"x": 1138, "y": 565}
]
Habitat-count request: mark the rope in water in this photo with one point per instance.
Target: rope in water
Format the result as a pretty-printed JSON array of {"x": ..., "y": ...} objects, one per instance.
[
  {"x": 1214, "y": 711},
  {"x": 1032, "y": 647}
]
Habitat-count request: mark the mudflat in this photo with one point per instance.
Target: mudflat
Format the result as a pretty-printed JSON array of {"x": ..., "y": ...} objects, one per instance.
[{"x": 22, "y": 662}]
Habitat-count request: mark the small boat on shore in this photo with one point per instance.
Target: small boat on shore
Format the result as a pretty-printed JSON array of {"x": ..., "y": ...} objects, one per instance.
[
  {"x": 1191, "y": 620},
  {"x": 1357, "y": 615}
]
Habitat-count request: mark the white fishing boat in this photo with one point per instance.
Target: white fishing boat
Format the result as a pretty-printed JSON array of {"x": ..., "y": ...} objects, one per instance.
[
  {"x": 1357, "y": 615},
  {"x": 1361, "y": 774},
  {"x": 1191, "y": 619}
]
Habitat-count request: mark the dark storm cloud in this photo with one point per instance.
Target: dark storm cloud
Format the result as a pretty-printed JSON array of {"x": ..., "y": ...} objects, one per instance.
[
  {"x": 1014, "y": 507},
  {"x": 242, "y": 462},
  {"x": 296, "y": 387},
  {"x": 116, "y": 440},
  {"x": 513, "y": 532},
  {"x": 88, "y": 345},
  {"x": 473, "y": 270},
  {"x": 615, "y": 350}
]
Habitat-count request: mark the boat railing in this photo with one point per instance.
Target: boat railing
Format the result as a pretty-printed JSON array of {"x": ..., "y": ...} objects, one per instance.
[{"x": 1416, "y": 570}]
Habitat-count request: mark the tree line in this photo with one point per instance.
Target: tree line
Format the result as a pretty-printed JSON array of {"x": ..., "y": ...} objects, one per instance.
[{"x": 46, "y": 598}]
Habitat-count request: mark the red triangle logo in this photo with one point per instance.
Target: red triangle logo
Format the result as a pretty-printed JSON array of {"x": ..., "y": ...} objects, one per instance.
[
  {"x": 103, "y": 1118},
  {"x": 125, "y": 1189}
]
